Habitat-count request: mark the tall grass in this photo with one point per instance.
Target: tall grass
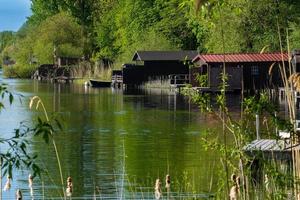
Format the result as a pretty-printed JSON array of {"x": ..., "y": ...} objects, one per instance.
[
  {"x": 92, "y": 70},
  {"x": 228, "y": 124},
  {"x": 39, "y": 104}
]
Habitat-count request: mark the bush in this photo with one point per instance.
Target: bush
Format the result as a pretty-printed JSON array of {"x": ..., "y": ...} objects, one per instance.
[{"x": 19, "y": 71}]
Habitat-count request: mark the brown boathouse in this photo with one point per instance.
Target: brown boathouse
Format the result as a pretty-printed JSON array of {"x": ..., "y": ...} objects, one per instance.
[
  {"x": 158, "y": 67},
  {"x": 253, "y": 70}
]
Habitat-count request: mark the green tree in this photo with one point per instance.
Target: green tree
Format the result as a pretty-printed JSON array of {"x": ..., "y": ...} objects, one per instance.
[
  {"x": 42, "y": 9},
  {"x": 60, "y": 32},
  {"x": 246, "y": 25},
  {"x": 295, "y": 36},
  {"x": 6, "y": 38},
  {"x": 174, "y": 24},
  {"x": 262, "y": 20},
  {"x": 128, "y": 25},
  {"x": 148, "y": 40},
  {"x": 36, "y": 44},
  {"x": 22, "y": 53}
]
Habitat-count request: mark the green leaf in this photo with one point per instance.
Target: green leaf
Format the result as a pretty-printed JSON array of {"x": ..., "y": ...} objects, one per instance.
[
  {"x": 46, "y": 137},
  {"x": 11, "y": 98},
  {"x": 59, "y": 125}
]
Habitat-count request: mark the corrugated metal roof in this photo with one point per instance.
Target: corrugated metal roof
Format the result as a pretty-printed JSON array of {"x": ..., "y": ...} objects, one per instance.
[
  {"x": 242, "y": 57},
  {"x": 271, "y": 149},
  {"x": 266, "y": 145},
  {"x": 270, "y": 145},
  {"x": 164, "y": 55}
]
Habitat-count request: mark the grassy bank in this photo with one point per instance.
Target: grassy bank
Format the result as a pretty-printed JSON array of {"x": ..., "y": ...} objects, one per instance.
[
  {"x": 17, "y": 71},
  {"x": 81, "y": 72}
]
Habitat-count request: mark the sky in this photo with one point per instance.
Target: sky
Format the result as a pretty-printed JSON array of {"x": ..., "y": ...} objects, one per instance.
[{"x": 13, "y": 14}]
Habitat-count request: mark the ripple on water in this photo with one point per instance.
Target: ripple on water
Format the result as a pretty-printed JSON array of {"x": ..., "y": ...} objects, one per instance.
[
  {"x": 101, "y": 128},
  {"x": 192, "y": 132},
  {"x": 123, "y": 112},
  {"x": 98, "y": 130}
]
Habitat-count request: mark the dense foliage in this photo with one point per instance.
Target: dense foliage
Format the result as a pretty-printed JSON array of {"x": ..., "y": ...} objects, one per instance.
[
  {"x": 7, "y": 39},
  {"x": 113, "y": 30}
]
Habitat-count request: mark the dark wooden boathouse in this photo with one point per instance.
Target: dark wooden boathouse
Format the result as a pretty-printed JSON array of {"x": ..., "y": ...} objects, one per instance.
[
  {"x": 133, "y": 74},
  {"x": 253, "y": 70},
  {"x": 157, "y": 66},
  {"x": 162, "y": 63}
]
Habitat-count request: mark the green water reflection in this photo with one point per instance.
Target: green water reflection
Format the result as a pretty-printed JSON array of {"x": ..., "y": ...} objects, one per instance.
[{"x": 116, "y": 143}]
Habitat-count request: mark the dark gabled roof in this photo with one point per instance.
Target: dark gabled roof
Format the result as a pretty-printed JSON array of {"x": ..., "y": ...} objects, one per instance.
[
  {"x": 164, "y": 55},
  {"x": 242, "y": 57}
]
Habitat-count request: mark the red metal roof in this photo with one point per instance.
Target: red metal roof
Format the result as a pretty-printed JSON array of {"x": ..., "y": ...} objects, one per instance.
[{"x": 242, "y": 57}]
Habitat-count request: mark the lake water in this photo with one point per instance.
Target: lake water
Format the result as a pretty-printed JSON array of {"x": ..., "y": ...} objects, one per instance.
[{"x": 116, "y": 143}]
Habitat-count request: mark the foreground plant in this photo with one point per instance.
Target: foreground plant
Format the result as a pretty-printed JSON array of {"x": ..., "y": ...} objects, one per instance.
[
  {"x": 16, "y": 155},
  {"x": 7, "y": 185},
  {"x": 19, "y": 195},
  {"x": 237, "y": 132},
  {"x": 158, "y": 191},
  {"x": 48, "y": 132},
  {"x": 69, "y": 189},
  {"x": 30, "y": 184}
]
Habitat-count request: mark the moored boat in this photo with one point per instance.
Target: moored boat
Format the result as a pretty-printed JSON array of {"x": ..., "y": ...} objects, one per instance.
[{"x": 96, "y": 83}]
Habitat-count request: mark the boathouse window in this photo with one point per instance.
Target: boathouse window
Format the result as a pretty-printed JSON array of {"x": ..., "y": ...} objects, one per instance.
[
  {"x": 254, "y": 71},
  {"x": 203, "y": 69}
]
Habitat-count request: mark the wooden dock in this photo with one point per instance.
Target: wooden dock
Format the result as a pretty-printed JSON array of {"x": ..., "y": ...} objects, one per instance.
[
  {"x": 271, "y": 149},
  {"x": 62, "y": 79},
  {"x": 117, "y": 81},
  {"x": 53, "y": 73},
  {"x": 178, "y": 80}
]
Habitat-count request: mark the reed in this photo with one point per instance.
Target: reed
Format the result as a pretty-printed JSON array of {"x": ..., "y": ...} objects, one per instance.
[
  {"x": 87, "y": 70},
  {"x": 239, "y": 130},
  {"x": 39, "y": 104},
  {"x": 47, "y": 174},
  {"x": 157, "y": 189},
  {"x": 131, "y": 188},
  {"x": 116, "y": 185},
  {"x": 30, "y": 185},
  {"x": 123, "y": 170},
  {"x": 43, "y": 190},
  {"x": 229, "y": 125},
  {"x": 19, "y": 195},
  {"x": 168, "y": 185},
  {"x": 142, "y": 193},
  {"x": 291, "y": 84},
  {"x": 69, "y": 189},
  {"x": 7, "y": 185}
]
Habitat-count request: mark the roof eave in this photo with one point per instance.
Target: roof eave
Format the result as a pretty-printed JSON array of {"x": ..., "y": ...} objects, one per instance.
[
  {"x": 136, "y": 56},
  {"x": 196, "y": 59}
]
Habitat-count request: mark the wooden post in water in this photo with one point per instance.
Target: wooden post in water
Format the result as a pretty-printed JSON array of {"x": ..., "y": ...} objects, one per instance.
[{"x": 257, "y": 126}]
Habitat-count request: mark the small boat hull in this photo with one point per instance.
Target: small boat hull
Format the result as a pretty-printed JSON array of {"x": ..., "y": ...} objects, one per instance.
[{"x": 95, "y": 83}]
